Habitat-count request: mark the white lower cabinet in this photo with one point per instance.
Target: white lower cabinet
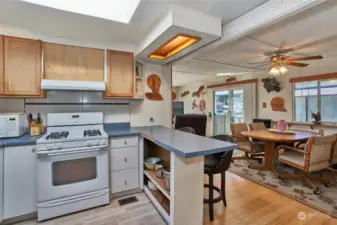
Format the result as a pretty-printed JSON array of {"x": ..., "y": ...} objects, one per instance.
[
  {"x": 20, "y": 181},
  {"x": 124, "y": 180},
  {"x": 124, "y": 164}
]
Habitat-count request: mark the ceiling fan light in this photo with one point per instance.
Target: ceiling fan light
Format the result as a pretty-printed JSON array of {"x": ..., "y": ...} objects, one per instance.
[{"x": 278, "y": 70}]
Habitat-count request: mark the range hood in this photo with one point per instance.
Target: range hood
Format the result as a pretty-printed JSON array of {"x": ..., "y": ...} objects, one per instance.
[{"x": 72, "y": 85}]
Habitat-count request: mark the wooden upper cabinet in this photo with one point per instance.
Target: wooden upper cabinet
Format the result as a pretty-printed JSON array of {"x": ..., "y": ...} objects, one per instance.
[
  {"x": 22, "y": 67},
  {"x": 1, "y": 65},
  {"x": 120, "y": 75},
  {"x": 65, "y": 62}
]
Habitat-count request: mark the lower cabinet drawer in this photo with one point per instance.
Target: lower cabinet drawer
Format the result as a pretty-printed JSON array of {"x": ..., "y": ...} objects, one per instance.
[
  {"x": 124, "y": 158},
  {"x": 124, "y": 180}
]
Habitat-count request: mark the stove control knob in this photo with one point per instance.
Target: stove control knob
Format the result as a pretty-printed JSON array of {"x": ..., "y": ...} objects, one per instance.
[
  {"x": 104, "y": 142},
  {"x": 89, "y": 144}
]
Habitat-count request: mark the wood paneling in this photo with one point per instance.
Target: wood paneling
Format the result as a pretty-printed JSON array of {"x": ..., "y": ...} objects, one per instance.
[
  {"x": 327, "y": 76},
  {"x": 65, "y": 62},
  {"x": 22, "y": 67},
  {"x": 1, "y": 65},
  {"x": 120, "y": 74},
  {"x": 233, "y": 83}
]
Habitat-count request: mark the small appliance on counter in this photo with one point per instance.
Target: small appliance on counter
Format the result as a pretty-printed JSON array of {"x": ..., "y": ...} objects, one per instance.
[{"x": 12, "y": 125}]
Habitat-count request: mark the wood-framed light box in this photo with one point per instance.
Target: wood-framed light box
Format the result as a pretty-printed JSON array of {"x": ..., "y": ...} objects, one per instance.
[{"x": 176, "y": 44}]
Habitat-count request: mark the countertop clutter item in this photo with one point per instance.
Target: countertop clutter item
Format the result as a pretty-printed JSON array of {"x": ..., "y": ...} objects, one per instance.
[
  {"x": 167, "y": 177},
  {"x": 36, "y": 126},
  {"x": 12, "y": 125},
  {"x": 150, "y": 163},
  {"x": 152, "y": 186},
  {"x": 160, "y": 170}
]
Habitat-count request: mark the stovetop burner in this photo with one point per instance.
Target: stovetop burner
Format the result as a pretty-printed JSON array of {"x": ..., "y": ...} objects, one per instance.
[
  {"x": 92, "y": 133},
  {"x": 58, "y": 135}
]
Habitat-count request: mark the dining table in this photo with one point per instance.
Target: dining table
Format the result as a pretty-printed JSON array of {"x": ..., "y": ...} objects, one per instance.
[{"x": 271, "y": 139}]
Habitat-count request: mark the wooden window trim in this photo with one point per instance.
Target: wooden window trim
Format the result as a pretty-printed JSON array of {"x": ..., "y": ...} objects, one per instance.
[
  {"x": 327, "y": 76},
  {"x": 234, "y": 83}
]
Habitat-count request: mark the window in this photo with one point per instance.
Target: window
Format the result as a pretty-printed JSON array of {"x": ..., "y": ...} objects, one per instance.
[{"x": 316, "y": 96}]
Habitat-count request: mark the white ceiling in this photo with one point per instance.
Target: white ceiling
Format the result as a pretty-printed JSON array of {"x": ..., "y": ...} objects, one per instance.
[
  {"x": 311, "y": 32},
  {"x": 62, "y": 24}
]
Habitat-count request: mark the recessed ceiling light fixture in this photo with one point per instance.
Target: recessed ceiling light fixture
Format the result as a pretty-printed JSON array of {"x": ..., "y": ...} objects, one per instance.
[
  {"x": 229, "y": 74},
  {"x": 173, "y": 46},
  {"x": 116, "y": 10}
]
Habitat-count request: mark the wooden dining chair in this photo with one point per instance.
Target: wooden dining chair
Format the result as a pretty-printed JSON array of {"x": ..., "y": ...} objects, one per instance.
[
  {"x": 316, "y": 156},
  {"x": 257, "y": 126},
  {"x": 253, "y": 151},
  {"x": 333, "y": 160}
]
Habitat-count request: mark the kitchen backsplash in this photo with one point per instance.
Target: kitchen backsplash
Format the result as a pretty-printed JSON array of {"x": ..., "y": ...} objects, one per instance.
[{"x": 68, "y": 101}]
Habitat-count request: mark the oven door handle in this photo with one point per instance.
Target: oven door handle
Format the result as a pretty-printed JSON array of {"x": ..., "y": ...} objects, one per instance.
[
  {"x": 71, "y": 151},
  {"x": 49, "y": 205}
]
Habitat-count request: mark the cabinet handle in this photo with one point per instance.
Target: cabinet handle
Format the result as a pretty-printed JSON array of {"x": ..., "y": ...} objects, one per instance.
[
  {"x": 125, "y": 183},
  {"x": 125, "y": 142},
  {"x": 125, "y": 160}
]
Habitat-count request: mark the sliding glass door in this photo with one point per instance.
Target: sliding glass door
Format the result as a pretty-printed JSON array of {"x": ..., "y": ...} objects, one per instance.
[{"x": 228, "y": 109}]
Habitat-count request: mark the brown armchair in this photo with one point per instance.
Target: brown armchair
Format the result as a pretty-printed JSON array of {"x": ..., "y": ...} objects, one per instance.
[
  {"x": 316, "y": 156},
  {"x": 252, "y": 151},
  {"x": 333, "y": 160}
]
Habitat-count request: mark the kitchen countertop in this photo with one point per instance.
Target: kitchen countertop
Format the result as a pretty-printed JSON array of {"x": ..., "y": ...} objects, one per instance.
[{"x": 183, "y": 144}]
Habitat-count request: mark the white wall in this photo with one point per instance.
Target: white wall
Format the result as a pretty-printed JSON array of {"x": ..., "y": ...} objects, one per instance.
[{"x": 160, "y": 111}]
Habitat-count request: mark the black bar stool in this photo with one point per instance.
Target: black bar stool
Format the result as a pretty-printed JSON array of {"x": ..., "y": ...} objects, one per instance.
[{"x": 215, "y": 164}]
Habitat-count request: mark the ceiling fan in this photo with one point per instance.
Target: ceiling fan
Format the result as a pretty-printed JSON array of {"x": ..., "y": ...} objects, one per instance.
[{"x": 278, "y": 60}]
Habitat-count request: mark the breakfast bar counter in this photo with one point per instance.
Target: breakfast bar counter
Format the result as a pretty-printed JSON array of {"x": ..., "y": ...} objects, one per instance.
[{"x": 184, "y": 153}]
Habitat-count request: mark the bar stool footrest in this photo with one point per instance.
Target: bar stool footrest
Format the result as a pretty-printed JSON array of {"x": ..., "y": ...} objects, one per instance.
[{"x": 215, "y": 200}]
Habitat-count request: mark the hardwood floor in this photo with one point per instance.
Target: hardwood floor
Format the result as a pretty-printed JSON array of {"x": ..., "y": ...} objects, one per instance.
[{"x": 248, "y": 203}]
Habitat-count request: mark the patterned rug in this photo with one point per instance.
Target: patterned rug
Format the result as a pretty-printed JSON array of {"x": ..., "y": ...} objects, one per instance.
[{"x": 296, "y": 189}]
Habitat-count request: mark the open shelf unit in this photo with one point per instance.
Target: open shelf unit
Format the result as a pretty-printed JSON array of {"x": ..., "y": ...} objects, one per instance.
[
  {"x": 159, "y": 183},
  {"x": 156, "y": 199},
  {"x": 160, "y": 198}
]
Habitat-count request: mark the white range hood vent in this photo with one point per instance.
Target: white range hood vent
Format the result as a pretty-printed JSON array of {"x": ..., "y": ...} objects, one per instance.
[{"x": 72, "y": 85}]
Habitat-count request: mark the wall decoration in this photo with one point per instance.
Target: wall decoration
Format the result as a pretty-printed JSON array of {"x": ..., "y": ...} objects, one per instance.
[
  {"x": 264, "y": 105},
  {"x": 174, "y": 96},
  {"x": 154, "y": 82},
  {"x": 316, "y": 117},
  {"x": 202, "y": 105},
  {"x": 199, "y": 91},
  {"x": 194, "y": 105},
  {"x": 184, "y": 94},
  {"x": 277, "y": 104},
  {"x": 271, "y": 84},
  {"x": 231, "y": 79}
]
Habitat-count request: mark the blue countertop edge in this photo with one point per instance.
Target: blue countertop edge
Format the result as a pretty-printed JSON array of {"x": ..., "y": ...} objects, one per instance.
[{"x": 117, "y": 130}]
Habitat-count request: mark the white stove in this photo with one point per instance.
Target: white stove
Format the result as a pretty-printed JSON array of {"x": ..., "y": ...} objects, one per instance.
[{"x": 72, "y": 164}]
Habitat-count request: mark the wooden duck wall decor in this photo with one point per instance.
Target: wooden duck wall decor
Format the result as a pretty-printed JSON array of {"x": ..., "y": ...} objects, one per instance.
[
  {"x": 184, "y": 94},
  {"x": 198, "y": 92},
  {"x": 154, "y": 82}
]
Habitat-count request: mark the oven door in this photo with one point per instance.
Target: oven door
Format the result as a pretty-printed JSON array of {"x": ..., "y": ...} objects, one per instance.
[{"x": 71, "y": 172}]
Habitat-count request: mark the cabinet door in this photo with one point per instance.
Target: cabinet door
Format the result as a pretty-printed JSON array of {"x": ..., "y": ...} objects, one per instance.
[
  {"x": 65, "y": 62},
  {"x": 1, "y": 65},
  {"x": 120, "y": 76},
  {"x": 22, "y": 67},
  {"x": 20, "y": 181}
]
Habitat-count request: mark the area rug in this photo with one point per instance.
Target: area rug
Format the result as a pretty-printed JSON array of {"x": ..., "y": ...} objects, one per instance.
[{"x": 296, "y": 189}]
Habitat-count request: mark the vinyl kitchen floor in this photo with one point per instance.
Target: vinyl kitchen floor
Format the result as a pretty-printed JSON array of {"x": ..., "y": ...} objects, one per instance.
[{"x": 138, "y": 213}]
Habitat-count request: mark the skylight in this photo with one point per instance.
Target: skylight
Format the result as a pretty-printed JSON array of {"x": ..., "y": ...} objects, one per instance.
[{"x": 116, "y": 10}]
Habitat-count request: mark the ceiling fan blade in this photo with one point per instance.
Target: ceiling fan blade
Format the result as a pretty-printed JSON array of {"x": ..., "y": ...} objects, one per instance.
[
  {"x": 258, "y": 63},
  {"x": 307, "y": 58},
  {"x": 296, "y": 64}
]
